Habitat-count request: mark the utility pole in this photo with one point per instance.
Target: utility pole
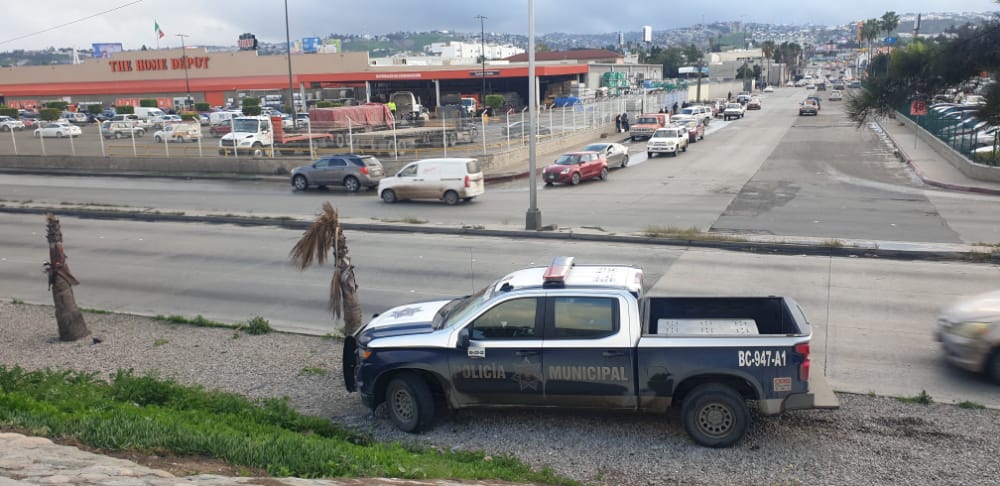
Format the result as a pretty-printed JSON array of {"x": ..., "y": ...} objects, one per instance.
[
  {"x": 184, "y": 60},
  {"x": 288, "y": 53},
  {"x": 482, "y": 40}
]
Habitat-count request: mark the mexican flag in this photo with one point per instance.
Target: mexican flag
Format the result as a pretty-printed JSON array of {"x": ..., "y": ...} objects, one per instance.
[{"x": 156, "y": 29}]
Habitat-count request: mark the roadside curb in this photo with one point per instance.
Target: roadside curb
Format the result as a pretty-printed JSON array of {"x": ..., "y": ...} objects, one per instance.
[{"x": 764, "y": 248}]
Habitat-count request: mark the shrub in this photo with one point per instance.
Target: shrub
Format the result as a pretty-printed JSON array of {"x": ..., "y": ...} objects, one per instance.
[
  {"x": 49, "y": 114},
  {"x": 494, "y": 101},
  {"x": 125, "y": 110},
  {"x": 257, "y": 326},
  {"x": 148, "y": 103},
  {"x": 8, "y": 111},
  {"x": 57, "y": 105},
  {"x": 286, "y": 109},
  {"x": 190, "y": 115},
  {"x": 202, "y": 106},
  {"x": 95, "y": 109},
  {"x": 251, "y": 101},
  {"x": 251, "y": 110},
  {"x": 324, "y": 104}
]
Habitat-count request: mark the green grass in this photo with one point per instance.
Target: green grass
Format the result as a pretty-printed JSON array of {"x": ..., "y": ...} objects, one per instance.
[
  {"x": 312, "y": 370},
  {"x": 96, "y": 311},
  {"x": 198, "y": 321},
  {"x": 921, "y": 398},
  {"x": 160, "y": 342},
  {"x": 691, "y": 233},
  {"x": 832, "y": 243},
  {"x": 971, "y": 405},
  {"x": 257, "y": 326},
  {"x": 149, "y": 415},
  {"x": 16, "y": 301}
]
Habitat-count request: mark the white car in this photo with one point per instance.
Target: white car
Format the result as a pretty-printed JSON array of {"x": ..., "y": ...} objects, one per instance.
[
  {"x": 58, "y": 130},
  {"x": 178, "y": 132},
  {"x": 669, "y": 140},
  {"x": 8, "y": 124},
  {"x": 163, "y": 121},
  {"x": 616, "y": 153},
  {"x": 769, "y": 89},
  {"x": 835, "y": 95}
]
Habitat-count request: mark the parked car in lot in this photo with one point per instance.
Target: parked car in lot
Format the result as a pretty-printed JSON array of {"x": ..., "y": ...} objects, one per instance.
[
  {"x": 178, "y": 132},
  {"x": 30, "y": 119},
  {"x": 969, "y": 333},
  {"x": 219, "y": 130},
  {"x": 754, "y": 103},
  {"x": 75, "y": 117},
  {"x": 574, "y": 167},
  {"x": 8, "y": 124},
  {"x": 58, "y": 130},
  {"x": 523, "y": 129},
  {"x": 616, "y": 153},
  {"x": 164, "y": 120},
  {"x": 121, "y": 129},
  {"x": 133, "y": 119},
  {"x": 448, "y": 179},
  {"x": 671, "y": 140},
  {"x": 351, "y": 171}
]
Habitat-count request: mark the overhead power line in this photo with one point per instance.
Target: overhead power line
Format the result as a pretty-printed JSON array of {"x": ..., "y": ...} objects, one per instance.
[{"x": 50, "y": 29}]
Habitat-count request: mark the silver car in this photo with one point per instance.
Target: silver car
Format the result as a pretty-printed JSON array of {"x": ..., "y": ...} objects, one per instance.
[
  {"x": 616, "y": 153},
  {"x": 969, "y": 332},
  {"x": 348, "y": 170}
]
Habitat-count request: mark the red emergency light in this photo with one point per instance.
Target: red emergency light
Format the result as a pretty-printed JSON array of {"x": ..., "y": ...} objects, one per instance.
[{"x": 558, "y": 270}]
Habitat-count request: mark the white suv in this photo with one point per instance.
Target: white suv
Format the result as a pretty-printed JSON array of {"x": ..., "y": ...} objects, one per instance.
[
  {"x": 669, "y": 140},
  {"x": 8, "y": 124}
]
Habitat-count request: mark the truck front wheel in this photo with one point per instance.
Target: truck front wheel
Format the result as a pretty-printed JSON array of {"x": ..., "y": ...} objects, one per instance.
[
  {"x": 715, "y": 415},
  {"x": 257, "y": 150},
  {"x": 409, "y": 402}
]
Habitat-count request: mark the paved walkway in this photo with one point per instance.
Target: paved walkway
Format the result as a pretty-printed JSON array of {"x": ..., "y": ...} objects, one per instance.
[{"x": 929, "y": 166}]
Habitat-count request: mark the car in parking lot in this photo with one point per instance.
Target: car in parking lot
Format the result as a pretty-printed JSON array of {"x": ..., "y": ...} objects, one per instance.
[
  {"x": 616, "y": 153},
  {"x": 58, "y": 130},
  {"x": 178, "y": 132},
  {"x": 352, "y": 171},
  {"x": 8, "y": 124},
  {"x": 573, "y": 167},
  {"x": 523, "y": 128},
  {"x": 121, "y": 129},
  {"x": 969, "y": 333}
]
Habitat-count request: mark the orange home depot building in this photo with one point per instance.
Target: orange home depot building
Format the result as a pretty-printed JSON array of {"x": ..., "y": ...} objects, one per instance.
[{"x": 215, "y": 77}]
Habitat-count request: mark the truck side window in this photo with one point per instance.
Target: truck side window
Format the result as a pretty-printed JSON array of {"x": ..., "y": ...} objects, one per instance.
[
  {"x": 584, "y": 317},
  {"x": 513, "y": 319}
]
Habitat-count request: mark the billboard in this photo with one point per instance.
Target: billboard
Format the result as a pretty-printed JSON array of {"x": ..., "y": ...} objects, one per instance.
[
  {"x": 104, "y": 50},
  {"x": 310, "y": 45},
  {"x": 647, "y": 33},
  {"x": 331, "y": 46},
  {"x": 247, "y": 42}
]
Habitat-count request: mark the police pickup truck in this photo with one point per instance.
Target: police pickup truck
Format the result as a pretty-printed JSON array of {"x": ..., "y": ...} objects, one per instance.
[{"x": 584, "y": 336}]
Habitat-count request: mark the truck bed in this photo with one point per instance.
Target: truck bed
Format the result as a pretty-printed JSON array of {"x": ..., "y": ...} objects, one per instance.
[{"x": 723, "y": 316}]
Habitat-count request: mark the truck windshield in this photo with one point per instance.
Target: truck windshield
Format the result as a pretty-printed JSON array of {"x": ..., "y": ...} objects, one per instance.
[
  {"x": 647, "y": 120},
  {"x": 245, "y": 125},
  {"x": 457, "y": 310}
]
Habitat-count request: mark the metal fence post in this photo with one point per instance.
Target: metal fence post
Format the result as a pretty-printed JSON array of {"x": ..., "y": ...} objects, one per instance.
[{"x": 14, "y": 141}]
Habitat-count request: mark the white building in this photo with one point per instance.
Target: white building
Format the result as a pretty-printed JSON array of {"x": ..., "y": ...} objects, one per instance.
[{"x": 455, "y": 52}]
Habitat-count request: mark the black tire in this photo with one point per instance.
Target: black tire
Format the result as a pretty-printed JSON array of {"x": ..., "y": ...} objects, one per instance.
[
  {"x": 451, "y": 198},
  {"x": 257, "y": 150},
  {"x": 158, "y": 139},
  {"x": 300, "y": 183},
  {"x": 4, "y": 128},
  {"x": 604, "y": 174},
  {"x": 575, "y": 179},
  {"x": 685, "y": 149},
  {"x": 624, "y": 162},
  {"x": 351, "y": 184},
  {"x": 547, "y": 183},
  {"x": 212, "y": 132},
  {"x": 409, "y": 402},
  {"x": 466, "y": 199},
  {"x": 632, "y": 138},
  {"x": 59, "y": 135},
  {"x": 649, "y": 155},
  {"x": 140, "y": 133},
  {"x": 993, "y": 367},
  {"x": 715, "y": 415},
  {"x": 388, "y": 196}
]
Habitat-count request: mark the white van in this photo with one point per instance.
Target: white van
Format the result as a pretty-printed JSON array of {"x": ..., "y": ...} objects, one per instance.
[
  {"x": 222, "y": 117},
  {"x": 451, "y": 180}
]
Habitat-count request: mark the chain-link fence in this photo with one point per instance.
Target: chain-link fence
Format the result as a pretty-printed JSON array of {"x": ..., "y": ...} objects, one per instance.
[{"x": 976, "y": 140}]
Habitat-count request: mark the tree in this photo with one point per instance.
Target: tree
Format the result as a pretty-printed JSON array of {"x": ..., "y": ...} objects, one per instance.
[
  {"x": 889, "y": 22},
  {"x": 692, "y": 54},
  {"x": 768, "y": 48},
  {"x": 672, "y": 58},
  {"x": 326, "y": 234},
  {"x": 869, "y": 31},
  {"x": 61, "y": 282}
]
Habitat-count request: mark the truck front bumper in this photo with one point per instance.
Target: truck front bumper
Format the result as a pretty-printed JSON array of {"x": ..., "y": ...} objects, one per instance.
[{"x": 820, "y": 395}]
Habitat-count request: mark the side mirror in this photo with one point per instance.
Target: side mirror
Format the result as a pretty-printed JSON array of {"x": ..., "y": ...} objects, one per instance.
[{"x": 463, "y": 338}]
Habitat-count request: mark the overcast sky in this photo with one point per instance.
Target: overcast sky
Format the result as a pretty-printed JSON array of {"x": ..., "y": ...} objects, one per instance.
[{"x": 219, "y": 22}]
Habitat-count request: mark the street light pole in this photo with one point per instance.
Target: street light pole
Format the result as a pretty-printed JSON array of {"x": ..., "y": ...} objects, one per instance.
[
  {"x": 288, "y": 52},
  {"x": 482, "y": 40},
  {"x": 184, "y": 60},
  {"x": 533, "y": 217}
]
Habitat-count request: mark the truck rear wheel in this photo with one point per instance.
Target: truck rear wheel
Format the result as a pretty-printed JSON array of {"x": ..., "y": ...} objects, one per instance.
[
  {"x": 993, "y": 367},
  {"x": 715, "y": 415},
  {"x": 257, "y": 150},
  {"x": 451, "y": 198},
  {"x": 409, "y": 402}
]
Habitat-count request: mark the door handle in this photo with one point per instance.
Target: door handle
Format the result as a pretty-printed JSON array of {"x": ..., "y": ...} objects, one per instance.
[
  {"x": 613, "y": 354},
  {"x": 525, "y": 353}
]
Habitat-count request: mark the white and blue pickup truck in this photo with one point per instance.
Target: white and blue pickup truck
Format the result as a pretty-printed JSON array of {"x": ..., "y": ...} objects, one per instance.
[{"x": 585, "y": 336}]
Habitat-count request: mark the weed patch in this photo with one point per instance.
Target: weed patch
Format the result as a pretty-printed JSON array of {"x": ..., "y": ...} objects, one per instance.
[{"x": 921, "y": 398}]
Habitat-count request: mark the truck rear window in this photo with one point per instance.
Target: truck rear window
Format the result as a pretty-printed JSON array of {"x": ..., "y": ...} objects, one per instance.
[
  {"x": 585, "y": 317},
  {"x": 472, "y": 167}
]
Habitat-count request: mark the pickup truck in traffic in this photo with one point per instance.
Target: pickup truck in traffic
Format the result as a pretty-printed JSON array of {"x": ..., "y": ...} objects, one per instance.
[
  {"x": 585, "y": 336},
  {"x": 734, "y": 110},
  {"x": 670, "y": 140},
  {"x": 647, "y": 123}
]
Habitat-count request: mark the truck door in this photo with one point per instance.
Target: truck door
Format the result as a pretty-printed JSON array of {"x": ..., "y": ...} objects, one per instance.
[
  {"x": 587, "y": 354},
  {"x": 503, "y": 362}
]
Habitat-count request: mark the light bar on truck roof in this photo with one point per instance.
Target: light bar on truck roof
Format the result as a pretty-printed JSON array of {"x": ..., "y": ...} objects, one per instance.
[{"x": 557, "y": 271}]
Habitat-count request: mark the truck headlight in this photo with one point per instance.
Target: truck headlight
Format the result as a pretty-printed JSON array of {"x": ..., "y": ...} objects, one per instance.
[{"x": 973, "y": 330}]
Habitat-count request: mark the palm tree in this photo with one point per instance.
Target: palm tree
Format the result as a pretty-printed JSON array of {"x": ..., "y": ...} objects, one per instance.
[
  {"x": 889, "y": 22},
  {"x": 61, "y": 282},
  {"x": 326, "y": 234},
  {"x": 869, "y": 31},
  {"x": 768, "y": 48}
]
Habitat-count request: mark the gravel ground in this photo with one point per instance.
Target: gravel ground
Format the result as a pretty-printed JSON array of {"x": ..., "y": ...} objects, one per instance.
[{"x": 870, "y": 440}]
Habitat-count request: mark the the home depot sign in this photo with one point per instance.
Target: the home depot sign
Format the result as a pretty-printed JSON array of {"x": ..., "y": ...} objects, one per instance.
[{"x": 161, "y": 64}]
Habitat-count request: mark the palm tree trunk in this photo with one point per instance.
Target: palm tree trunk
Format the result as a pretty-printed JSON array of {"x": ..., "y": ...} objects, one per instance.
[
  {"x": 348, "y": 286},
  {"x": 68, "y": 316}
]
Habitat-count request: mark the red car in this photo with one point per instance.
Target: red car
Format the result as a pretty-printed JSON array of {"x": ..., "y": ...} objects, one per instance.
[
  {"x": 574, "y": 167},
  {"x": 696, "y": 129}
]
